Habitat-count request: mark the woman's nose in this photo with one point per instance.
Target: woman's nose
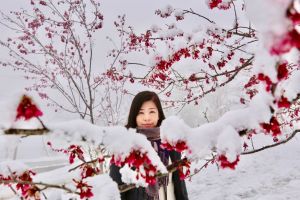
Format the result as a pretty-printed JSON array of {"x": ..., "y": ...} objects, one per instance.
[{"x": 146, "y": 117}]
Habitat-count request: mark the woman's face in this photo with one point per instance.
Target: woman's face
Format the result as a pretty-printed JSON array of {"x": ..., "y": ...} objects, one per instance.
[{"x": 147, "y": 116}]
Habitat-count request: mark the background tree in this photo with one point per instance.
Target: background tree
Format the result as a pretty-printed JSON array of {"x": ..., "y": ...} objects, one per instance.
[{"x": 54, "y": 45}]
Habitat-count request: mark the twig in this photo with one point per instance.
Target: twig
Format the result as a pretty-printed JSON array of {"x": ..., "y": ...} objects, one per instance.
[
  {"x": 194, "y": 13},
  {"x": 134, "y": 63},
  {"x": 205, "y": 114},
  {"x": 43, "y": 125},
  {"x": 251, "y": 139},
  {"x": 26, "y": 132},
  {"x": 46, "y": 185},
  {"x": 272, "y": 145},
  {"x": 202, "y": 167},
  {"x": 86, "y": 163}
]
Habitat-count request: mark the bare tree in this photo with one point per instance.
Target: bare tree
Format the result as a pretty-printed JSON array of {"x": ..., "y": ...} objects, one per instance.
[{"x": 54, "y": 45}]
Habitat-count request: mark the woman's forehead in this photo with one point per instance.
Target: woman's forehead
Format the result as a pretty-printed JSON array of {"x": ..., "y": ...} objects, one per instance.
[{"x": 148, "y": 105}]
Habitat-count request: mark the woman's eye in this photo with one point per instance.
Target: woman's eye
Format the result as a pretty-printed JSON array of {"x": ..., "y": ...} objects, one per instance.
[
  {"x": 140, "y": 113},
  {"x": 152, "y": 112}
]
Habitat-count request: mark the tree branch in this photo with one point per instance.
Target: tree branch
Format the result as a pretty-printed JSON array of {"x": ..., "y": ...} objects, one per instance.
[
  {"x": 194, "y": 13},
  {"x": 272, "y": 145},
  {"x": 46, "y": 185}
]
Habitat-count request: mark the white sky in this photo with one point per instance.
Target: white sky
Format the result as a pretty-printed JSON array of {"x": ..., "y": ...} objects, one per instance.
[{"x": 139, "y": 13}]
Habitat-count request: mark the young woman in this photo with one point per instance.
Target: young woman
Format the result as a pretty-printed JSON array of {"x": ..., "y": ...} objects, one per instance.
[{"x": 146, "y": 115}]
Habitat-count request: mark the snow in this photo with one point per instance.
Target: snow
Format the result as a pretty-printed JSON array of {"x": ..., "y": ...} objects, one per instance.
[
  {"x": 121, "y": 141},
  {"x": 172, "y": 32},
  {"x": 129, "y": 176},
  {"x": 261, "y": 13},
  {"x": 173, "y": 129},
  {"x": 104, "y": 188},
  {"x": 7, "y": 110},
  {"x": 179, "y": 14},
  {"x": 103, "y": 185},
  {"x": 227, "y": 139},
  {"x": 267, "y": 175},
  {"x": 166, "y": 11},
  {"x": 8, "y": 107},
  {"x": 222, "y": 133},
  {"x": 10, "y": 166},
  {"x": 291, "y": 87},
  {"x": 59, "y": 176},
  {"x": 117, "y": 140}
]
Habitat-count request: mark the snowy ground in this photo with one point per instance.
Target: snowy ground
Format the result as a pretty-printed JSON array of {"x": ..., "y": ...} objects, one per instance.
[{"x": 273, "y": 174}]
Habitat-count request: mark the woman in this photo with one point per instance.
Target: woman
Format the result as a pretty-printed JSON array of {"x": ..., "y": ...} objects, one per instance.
[{"x": 146, "y": 115}]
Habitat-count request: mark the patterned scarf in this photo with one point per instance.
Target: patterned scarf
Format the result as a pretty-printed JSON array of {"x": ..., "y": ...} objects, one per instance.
[{"x": 153, "y": 135}]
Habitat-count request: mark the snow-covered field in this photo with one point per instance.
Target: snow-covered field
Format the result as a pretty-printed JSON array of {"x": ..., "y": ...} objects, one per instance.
[{"x": 273, "y": 174}]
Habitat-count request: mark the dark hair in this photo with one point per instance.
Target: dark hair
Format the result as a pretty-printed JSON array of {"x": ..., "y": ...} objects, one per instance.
[{"x": 137, "y": 103}]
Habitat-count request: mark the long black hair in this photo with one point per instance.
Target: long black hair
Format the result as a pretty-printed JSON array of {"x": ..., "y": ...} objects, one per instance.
[{"x": 137, "y": 103}]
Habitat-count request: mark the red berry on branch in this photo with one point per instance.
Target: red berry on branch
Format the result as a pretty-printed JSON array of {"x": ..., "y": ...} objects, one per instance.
[
  {"x": 27, "y": 109},
  {"x": 283, "y": 102},
  {"x": 224, "y": 163},
  {"x": 282, "y": 71}
]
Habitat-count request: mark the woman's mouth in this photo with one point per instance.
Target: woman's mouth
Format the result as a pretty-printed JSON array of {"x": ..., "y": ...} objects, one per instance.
[{"x": 147, "y": 125}]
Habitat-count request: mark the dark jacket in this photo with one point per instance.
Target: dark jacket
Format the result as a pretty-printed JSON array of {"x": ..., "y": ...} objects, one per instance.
[{"x": 140, "y": 193}]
